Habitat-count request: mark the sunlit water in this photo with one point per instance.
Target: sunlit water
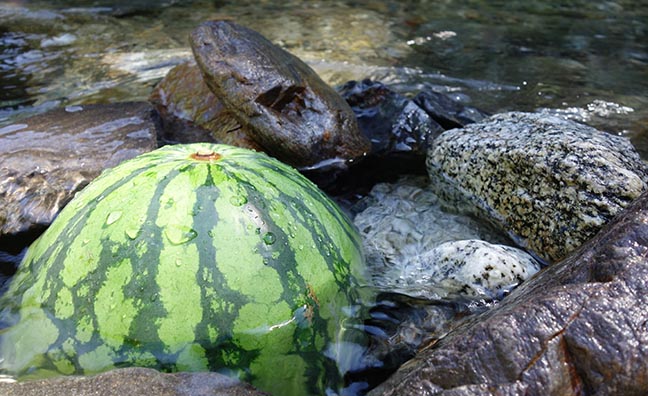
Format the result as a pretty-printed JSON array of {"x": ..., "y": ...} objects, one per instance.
[{"x": 587, "y": 60}]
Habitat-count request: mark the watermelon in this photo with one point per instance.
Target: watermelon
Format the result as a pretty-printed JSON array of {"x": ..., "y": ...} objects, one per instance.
[{"x": 190, "y": 258}]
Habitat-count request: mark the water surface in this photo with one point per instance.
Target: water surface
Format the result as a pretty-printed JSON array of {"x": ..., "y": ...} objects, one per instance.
[{"x": 586, "y": 58}]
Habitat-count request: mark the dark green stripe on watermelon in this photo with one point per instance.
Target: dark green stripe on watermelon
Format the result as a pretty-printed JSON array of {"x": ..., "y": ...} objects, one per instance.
[{"x": 178, "y": 261}]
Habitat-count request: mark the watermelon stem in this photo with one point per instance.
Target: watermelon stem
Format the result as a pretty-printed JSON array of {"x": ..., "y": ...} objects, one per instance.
[{"x": 205, "y": 155}]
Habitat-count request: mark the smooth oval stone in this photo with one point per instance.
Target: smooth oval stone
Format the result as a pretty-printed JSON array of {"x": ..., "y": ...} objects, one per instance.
[
  {"x": 45, "y": 159},
  {"x": 289, "y": 111},
  {"x": 550, "y": 183}
]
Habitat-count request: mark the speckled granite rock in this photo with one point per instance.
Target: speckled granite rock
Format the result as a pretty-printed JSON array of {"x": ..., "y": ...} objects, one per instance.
[
  {"x": 467, "y": 269},
  {"x": 549, "y": 182},
  {"x": 191, "y": 113},
  {"x": 45, "y": 159},
  {"x": 133, "y": 382},
  {"x": 287, "y": 109},
  {"x": 576, "y": 328},
  {"x": 415, "y": 247}
]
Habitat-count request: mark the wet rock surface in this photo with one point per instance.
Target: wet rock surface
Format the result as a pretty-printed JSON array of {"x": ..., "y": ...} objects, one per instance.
[
  {"x": 466, "y": 269},
  {"x": 133, "y": 382},
  {"x": 289, "y": 111},
  {"x": 403, "y": 128},
  {"x": 447, "y": 112},
  {"x": 550, "y": 183},
  {"x": 577, "y": 327},
  {"x": 395, "y": 125},
  {"x": 45, "y": 159},
  {"x": 191, "y": 113},
  {"x": 416, "y": 247}
]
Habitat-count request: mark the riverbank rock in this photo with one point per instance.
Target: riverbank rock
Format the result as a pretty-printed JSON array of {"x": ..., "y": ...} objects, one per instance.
[
  {"x": 550, "y": 183},
  {"x": 191, "y": 113},
  {"x": 578, "y": 327},
  {"x": 417, "y": 248},
  {"x": 287, "y": 109},
  {"x": 45, "y": 159},
  {"x": 133, "y": 382}
]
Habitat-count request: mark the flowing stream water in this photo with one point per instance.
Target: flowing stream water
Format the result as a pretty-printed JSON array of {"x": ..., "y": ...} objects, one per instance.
[{"x": 587, "y": 60}]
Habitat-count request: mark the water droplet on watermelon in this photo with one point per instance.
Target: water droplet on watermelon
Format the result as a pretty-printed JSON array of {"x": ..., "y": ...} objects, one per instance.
[
  {"x": 85, "y": 242},
  {"x": 132, "y": 233},
  {"x": 154, "y": 297},
  {"x": 178, "y": 262},
  {"x": 238, "y": 200},
  {"x": 169, "y": 203},
  {"x": 301, "y": 247},
  {"x": 113, "y": 217},
  {"x": 269, "y": 238},
  {"x": 178, "y": 235},
  {"x": 275, "y": 255},
  {"x": 210, "y": 233}
]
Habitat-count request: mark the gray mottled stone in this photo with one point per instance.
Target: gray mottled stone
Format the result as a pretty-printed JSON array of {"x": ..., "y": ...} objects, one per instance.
[
  {"x": 284, "y": 105},
  {"x": 416, "y": 247},
  {"x": 132, "y": 382},
  {"x": 471, "y": 269},
  {"x": 45, "y": 159},
  {"x": 576, "y": 328},
  {"x": 549, "y": 182}
]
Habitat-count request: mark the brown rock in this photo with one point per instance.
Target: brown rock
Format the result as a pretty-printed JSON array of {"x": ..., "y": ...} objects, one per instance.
[
  {"x": 578, "y": 327},
  {"x": 289, "y": 111},
  {"x": 45, "y": 159},
  {"x": 133, "y": 382},
  {"x": 191, "y": 113}
]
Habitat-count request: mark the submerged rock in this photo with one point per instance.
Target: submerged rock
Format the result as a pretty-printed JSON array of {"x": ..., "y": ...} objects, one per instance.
[
  {"x": 578, "y": 327},
  {"x": 550, "y": 183},
  {"x": 415, "y": 247},
  {"x": 191, "y": 113},
  {"x": 395, "y": 125},
  {"x": 133, "y": 382},
  {"x": 287, "y": 109},
  {"x": 447, "y": 112},
  {"x": 45, "y": 159},
  {"x": 398, "y": 126},
  {"x": 468, "y": 269}
]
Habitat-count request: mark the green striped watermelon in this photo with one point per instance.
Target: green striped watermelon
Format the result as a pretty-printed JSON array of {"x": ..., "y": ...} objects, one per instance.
[{"x": 190, "y": 257}]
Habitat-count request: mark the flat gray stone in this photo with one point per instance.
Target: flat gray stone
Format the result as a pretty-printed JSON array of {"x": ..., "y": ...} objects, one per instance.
[
  {"x": 284, "y": 105},
  {"x": 550, "y": 183},
  {"x": 45, "y": 159},
  {"x": 133, "y": 382},
  {"x": 577, "y": 328}
]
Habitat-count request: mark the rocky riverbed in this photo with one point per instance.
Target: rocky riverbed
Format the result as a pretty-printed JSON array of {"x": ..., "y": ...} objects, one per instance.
[{"x": 500, "y": 198}]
